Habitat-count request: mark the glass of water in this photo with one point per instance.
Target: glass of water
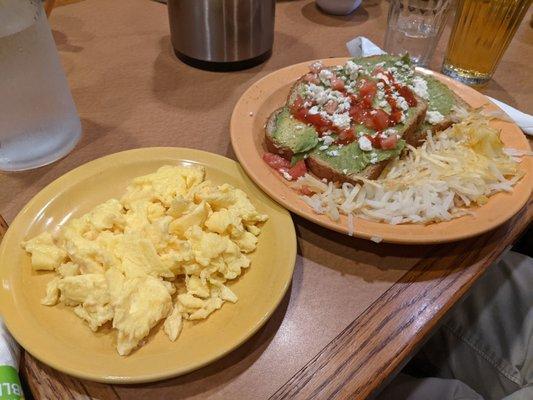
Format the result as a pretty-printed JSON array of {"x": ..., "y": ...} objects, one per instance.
[
  {"x": 38, "y": 120},
  {"x": 415, "y": 26}
]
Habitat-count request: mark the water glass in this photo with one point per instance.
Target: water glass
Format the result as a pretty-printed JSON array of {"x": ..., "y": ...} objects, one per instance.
[
  {"x": 38, "y": 120},
  {"x": 415, "y": 26}
]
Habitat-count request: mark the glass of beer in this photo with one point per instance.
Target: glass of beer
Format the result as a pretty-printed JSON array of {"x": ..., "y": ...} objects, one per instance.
[{"x": 480, "y": 35}]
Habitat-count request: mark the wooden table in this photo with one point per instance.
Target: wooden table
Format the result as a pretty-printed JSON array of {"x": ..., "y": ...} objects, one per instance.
[{"x": 356, "y": 310}]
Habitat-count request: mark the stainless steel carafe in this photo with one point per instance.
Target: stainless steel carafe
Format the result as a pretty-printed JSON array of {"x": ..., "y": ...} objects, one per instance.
[{"x": 222, "y": 34}]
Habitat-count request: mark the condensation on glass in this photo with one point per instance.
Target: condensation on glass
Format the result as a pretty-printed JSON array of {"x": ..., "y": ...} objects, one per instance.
[{"x": 38, "y": 119}]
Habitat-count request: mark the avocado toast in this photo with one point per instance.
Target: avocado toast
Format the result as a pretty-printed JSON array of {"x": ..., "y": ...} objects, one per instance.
[{"x": 346, "y": 123}]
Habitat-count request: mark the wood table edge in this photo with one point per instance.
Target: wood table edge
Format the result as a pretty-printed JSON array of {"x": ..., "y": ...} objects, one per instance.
[{"x": 330, "y": 373}]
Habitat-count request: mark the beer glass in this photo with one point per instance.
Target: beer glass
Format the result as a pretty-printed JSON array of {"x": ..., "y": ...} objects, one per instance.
[{"x": 480, "y": 35}]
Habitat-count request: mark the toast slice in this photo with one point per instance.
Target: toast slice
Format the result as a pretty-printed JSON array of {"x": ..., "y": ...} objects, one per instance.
[
  {"x": 444, "y": 106},
  {"x": 286, "y": 136},
  {"x": 348, "y": 163}
]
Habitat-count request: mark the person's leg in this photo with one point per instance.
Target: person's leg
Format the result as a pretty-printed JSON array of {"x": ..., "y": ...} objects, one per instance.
[
  {"x": 406, "y": 387},
  {"x": 486, "y": 341}
]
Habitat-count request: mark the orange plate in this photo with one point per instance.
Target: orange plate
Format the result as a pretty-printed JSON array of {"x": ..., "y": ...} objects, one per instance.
[
  {"x": 57, "y": 337},
  {"x": 268, "y": 94}
]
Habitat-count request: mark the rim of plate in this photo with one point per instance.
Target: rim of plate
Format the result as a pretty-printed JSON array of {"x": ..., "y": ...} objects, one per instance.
[
  {"x": 182, "y": 154},
  {"x": 241, "y": 125}
]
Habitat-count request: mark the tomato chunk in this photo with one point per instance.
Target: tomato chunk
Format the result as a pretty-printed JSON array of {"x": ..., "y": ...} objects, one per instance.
[
  {"x": 275, "y": 161},
  {"x": 299, "y": 169},
  {"x": 346, "y": 136},
  {"x": 316, "y": 67},
  {"x": 311, "y": 78},
  {"x": 379, "y": 119},
  {"x": 389, "y": 143},
  {"x": 306, "y": 191},
  {"x": 367, "y": 91},
  {"x": 337, "y": 83}
]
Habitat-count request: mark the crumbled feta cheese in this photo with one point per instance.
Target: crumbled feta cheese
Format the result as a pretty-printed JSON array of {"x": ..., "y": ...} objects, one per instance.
[
  {"x": 325, "y": 75},
  {"x": 359, "y": 134},
  {"x": 420, "y": 87},
  {"x": 328, "y": 140},
  {"x": 383, "y": 103},
  {"x": 285, "y": 174},
  {"x": 383, "y": 77},
  {"x": 344, "y": 171},
  {"x": 322, "y": 148},
  {"x": 341, "y": 120},
  {"x": 313, "y": 110},
  {"x": 402, "y": 103},
  {"x": 434, "y": 117},
  {"x": 333, "y": 153},
  {"x": 317, "y": 65},
  {"x": 380, "y": 85},
  {"x": 364, "y": 143},
  {"x": 373, "y": 112},
  {"x": 299, "y": 127},
  {"x": 352, "y": 69}
]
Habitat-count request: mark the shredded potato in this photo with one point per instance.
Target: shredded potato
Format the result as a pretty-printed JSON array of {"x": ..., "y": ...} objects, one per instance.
[{"x": 459, "y": 168}]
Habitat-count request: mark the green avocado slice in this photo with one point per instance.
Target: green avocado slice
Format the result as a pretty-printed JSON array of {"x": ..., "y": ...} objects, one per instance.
[
  {"x": 441, "y": 97},
  {"x": 291, "y": 133},
  {"x": 350, "y": 159}
]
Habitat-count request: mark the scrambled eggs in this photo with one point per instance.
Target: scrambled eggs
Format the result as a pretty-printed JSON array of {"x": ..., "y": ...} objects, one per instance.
[{"x": 165, "y": 250}]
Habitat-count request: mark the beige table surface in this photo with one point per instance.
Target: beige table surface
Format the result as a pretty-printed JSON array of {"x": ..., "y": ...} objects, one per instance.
[{"x": 132, "y": 92}]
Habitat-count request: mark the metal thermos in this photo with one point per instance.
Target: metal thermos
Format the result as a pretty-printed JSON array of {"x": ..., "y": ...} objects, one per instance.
[{"x": 222, "y": 34}]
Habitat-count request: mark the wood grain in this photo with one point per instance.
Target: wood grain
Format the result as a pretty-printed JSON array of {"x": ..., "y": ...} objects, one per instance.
[{"x": 389, "y": 331}]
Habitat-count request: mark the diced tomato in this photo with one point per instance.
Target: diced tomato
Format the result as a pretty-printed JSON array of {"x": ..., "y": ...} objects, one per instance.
[
  {"x": 346, "y": 136},
  {"x": 275, "y": 161},
  {"x": 389, "y": 143},
  {"x": 337, "y": 83},
  {"x": 302, "y": 114},
  {"x": 316, "y": 67},
  {"x": 406, "y": 93},
  {"x": 306, "y": 191},
  {"x": 367, "y": 91},
  {"x": 331, "y": 107},
  {"x": 311, "y": 78},
  {"x": 379, "y": 142},
  {"x": 379, "y": 119},
  {"x": 298, "y": 170}
]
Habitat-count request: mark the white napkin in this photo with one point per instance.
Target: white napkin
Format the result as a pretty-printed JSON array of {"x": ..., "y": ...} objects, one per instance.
[
  {"x": 523, "y": 120},
  {"x": 9, "y": 349},
  {"x": 361, "y": 46}
]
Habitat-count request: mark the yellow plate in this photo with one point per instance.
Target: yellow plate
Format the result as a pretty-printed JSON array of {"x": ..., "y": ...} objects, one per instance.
[
  {"x": 268, "y": 94},
  {"x": 58, "y": 338}
]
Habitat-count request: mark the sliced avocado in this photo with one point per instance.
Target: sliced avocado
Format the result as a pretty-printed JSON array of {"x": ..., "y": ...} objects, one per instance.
[
  {"x": 297, "y": 90},
  {"x": 350, "y": 159},
  {"x": 386, "y": 61},
  {"x": 291, "y": 133},
  {"x": 441, "y": 97}
]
